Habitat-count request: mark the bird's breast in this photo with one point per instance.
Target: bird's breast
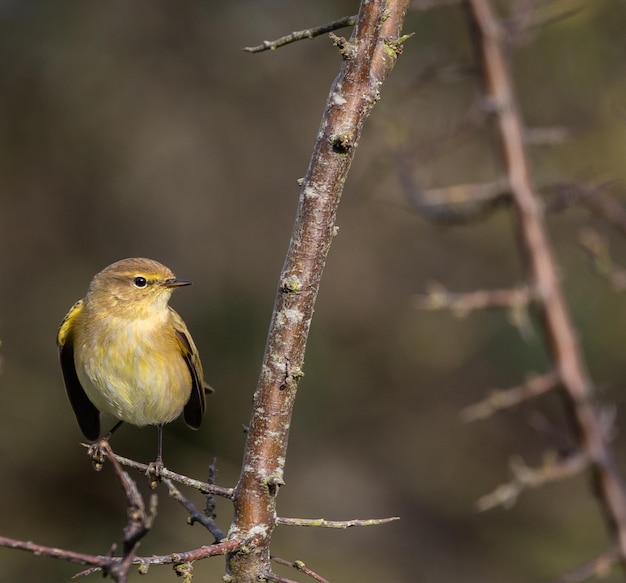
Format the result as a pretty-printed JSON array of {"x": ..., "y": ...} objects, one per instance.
[{"x": 133, "y": 369}]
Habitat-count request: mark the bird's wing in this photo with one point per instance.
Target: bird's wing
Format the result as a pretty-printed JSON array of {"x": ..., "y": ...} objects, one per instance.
[
  {"x": 194, "y": 409},
  {"x": 87, "y": 415}
]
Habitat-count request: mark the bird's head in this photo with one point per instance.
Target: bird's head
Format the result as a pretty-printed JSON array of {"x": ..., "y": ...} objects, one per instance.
[{"x": 133, "y": 288}]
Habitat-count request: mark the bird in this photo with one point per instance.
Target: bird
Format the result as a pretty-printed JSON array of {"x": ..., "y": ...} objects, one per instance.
[{"x": 126, "y": 353}]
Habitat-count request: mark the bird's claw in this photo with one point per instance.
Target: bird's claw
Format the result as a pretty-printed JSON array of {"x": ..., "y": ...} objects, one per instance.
[
  {"x": 155, "y": 472},
  {"x": 97, "y": 454}
]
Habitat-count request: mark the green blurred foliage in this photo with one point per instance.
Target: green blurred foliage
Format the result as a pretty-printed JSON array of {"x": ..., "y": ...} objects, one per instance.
[{"x": 142, "y": 129}]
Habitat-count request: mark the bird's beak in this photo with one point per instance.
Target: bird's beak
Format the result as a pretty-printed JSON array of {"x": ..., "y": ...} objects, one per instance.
[{"x": 173, "y": 282}]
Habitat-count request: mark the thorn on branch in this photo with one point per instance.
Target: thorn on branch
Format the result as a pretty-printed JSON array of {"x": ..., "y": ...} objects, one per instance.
[
  {"x": 525, "y": 477},
  {"x": 341, "y": 524},
  {"x": 302, "y": 34},
  {"x": 505, "y": 399},
  {"x": 346, "y": 50},
  {"x": 396, "y": 45}
]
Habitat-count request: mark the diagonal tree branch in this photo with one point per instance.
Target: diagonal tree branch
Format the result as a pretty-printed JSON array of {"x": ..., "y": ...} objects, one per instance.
[
  {"x": 578, "y": 390},
  {"x": 272, "y": 45},
  {"x": 99, "y": 562},
  {"x": 368, "y": 58},
  {"x": 300, "y": 566}
]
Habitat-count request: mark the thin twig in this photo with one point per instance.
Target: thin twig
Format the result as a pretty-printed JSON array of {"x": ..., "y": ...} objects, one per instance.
[
  {"x": 194, "y": 514},
  {"x": 300, "y": 566},
  {"x": 103, "y": 561},
  {"x": 53, "y": 552},
  {"x": 203, "y": 487},
  {"x": 323, "y": 523},
  {"x": 210, "y": 507},
  {"x": 525, "y": 477},
  {"x": 272, "y": 45},
  {"x": 506, "y": 398}
]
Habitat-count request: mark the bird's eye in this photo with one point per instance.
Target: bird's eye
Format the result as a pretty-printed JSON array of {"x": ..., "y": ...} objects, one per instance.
[{"x": 140, "y": 282}]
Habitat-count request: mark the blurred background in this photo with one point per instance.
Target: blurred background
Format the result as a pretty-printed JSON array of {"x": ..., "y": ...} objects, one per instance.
[{"x": 142, "y": 129}]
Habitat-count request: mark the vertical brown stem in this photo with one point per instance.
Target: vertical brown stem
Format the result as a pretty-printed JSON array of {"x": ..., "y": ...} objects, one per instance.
[
  {"x": 577, "y": 387},
  {"x": 368, "y": 58}
]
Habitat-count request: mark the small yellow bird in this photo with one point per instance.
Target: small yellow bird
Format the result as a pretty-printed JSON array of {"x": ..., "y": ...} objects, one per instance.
[{"x": 125, "y": 352}]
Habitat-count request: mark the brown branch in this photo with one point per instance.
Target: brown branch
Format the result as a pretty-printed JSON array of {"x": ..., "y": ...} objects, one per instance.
[
  {"x": 368, "y": 58},
  {"x": 323, "y": 523},
  {"x": 105, "y": 561},
  {"x": 272, "y": 45},
  {"x": 218, "y": 549},
  {"x": 563, "y": 344},
  {"x": 139, "y": 520},
  {"x": 203, "y": 487},
  {"x": 525, "y": 477},
  {"x": 300, "y": 566},
  {"x": 505, "y": 399},
  {"x": 54, "y": 552}
]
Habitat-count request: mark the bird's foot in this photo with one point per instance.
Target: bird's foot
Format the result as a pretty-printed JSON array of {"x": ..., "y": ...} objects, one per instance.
[
  {"x": 97, "y": 453},
  {"x": 155, "y": 472}
]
